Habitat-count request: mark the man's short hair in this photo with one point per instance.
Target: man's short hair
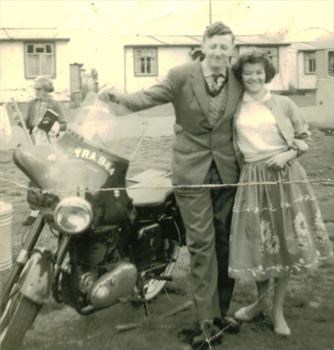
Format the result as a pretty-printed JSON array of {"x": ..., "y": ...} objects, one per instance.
[
  {"x": 254, "y": 56},
  {"x": 217, "y": 28}
]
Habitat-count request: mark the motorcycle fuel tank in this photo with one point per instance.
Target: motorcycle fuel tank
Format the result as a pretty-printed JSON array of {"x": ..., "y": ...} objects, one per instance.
[
  {"x": 70, "y": 164},
  {"x": 74, "y": 167},
  {"x": 113, "y": 286}
]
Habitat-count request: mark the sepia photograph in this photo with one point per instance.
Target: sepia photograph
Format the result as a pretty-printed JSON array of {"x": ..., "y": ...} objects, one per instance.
[{"x": 166, "y": 174}]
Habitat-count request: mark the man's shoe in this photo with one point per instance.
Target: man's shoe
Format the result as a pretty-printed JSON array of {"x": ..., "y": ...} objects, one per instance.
[
  {"x": 211, "y": 334},
  {"x": 29, "y": 220},
  {"x": 200, "y": 343},
  {"x": 202, "y": 337},
  {"x": 187, "y": 335},
  {"x": 227, "y": 325}
]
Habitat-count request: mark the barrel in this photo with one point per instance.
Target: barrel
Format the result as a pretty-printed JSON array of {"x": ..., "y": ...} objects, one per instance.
[{"x": 6, "y": 215}]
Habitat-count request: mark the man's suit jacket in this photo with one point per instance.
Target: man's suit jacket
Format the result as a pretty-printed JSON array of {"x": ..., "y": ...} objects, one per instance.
[{"x": 196, "y": 143}]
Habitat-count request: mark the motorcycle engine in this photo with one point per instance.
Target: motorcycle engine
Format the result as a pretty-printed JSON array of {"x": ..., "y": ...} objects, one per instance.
[
  {"x": 101, "y": 272},
  {"x": 92, "y": 256}
]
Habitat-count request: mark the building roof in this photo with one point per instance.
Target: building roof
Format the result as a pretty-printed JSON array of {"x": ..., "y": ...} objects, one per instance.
[
  {"x": 324, "y": 43},
  {"x": 195, "y": 40},
  {"x": 303, "y": 47},
  {"x": 18, "y": 34},
  {"x": 162, "y": 40},
  {"x": 261, "y": 39},
  {"x": 315, "y": 38}
]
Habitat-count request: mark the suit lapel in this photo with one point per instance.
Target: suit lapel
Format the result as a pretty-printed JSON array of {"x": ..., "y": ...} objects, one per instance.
[{"x": 198, "y": 85}]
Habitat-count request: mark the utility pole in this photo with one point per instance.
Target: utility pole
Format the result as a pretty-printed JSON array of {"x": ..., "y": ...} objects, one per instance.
[{"x": 210, "y": 12}]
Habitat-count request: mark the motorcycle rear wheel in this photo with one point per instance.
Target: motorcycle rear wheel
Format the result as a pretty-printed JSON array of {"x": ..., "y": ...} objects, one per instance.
[
  {"x": 153, "y": 287},
  {"x": 18, "y": 317}
]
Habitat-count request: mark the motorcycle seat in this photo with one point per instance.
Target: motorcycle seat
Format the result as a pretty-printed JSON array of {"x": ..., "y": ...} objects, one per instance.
[{"x": 151, "y": 192}]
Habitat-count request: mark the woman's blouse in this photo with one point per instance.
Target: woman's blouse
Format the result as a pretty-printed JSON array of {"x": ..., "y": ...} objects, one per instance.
[{"x": 258, "y": 136}]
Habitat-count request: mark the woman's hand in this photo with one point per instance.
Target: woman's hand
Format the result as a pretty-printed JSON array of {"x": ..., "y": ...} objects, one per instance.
[{"x": 278, "y": 161}]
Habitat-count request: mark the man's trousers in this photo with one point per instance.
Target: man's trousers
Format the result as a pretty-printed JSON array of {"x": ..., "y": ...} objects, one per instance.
[{"x": 207, "y": 214}]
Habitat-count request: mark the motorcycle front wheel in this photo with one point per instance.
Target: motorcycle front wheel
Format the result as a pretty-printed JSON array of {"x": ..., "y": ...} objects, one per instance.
[{"x": 18, "y": 316}]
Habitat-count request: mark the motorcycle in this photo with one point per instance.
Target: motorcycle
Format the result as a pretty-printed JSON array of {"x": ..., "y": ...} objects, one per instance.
[{"x": 116, "y": 240}]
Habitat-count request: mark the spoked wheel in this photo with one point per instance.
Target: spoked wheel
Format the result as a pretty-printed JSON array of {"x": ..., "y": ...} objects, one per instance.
[
  {"x": 152, "y": 287},
  {"x": 18, "y": 316}
]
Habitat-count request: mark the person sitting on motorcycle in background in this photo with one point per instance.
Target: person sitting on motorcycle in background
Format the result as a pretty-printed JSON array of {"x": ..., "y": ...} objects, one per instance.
[
  {"x": 204, "y": 95},
  {"x": 44, "y": 120}
]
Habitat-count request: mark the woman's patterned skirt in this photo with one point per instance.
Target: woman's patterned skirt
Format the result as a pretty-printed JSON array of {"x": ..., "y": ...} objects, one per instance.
[{"x": 277, "y": 226}]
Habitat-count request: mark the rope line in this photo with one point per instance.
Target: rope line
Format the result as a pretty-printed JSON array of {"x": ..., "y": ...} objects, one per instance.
[{"x": 325, "y": 182}]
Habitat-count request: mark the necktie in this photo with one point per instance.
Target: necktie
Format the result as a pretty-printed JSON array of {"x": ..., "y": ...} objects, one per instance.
[{"x": 215, "y": 83}]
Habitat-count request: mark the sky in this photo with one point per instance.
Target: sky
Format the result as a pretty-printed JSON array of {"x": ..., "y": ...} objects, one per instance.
[{"x": 130, "y": 17}]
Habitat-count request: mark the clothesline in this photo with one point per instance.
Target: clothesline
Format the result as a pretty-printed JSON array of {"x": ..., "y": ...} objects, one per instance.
[{"x": 323, "y": 181}]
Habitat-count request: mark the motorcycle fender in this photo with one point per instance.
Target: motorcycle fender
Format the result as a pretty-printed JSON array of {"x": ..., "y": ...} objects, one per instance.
[{"x": 38, "y": 276}]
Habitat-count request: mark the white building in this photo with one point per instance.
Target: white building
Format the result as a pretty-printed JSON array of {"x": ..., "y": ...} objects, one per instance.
[
  {"x": 323, "y": 66},
  {"x": 28, "y": 53},
  {"x": 132, "y": 63},
  {"x": 147, "y": 59},
  {"x": 313, "y": 61}
]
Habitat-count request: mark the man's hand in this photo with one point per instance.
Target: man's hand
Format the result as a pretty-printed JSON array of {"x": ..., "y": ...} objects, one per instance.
[
  {"x": 108, "y": 94},
  {"x": 54, "y": 131},
  {"x": 278, "y": 161}
]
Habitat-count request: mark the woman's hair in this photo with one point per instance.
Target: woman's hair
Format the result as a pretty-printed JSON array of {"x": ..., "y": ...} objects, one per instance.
[
  {"x": 45, "y": 83},
  {"x": 217, "y": 28},
  {"x": 254, "y": 56}
]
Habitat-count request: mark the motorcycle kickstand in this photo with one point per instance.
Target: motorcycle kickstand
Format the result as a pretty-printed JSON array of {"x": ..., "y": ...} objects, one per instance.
[
  {"x": 140, "y": 285},
  {"x": 142, "y": 294}
]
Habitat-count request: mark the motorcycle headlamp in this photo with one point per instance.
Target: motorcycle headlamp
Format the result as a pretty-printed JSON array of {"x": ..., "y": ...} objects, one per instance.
[{"x": 73, "y": 215}]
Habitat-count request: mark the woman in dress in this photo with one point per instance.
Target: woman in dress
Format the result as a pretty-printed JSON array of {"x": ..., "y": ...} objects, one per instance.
[{"x": 277, "y": 229}]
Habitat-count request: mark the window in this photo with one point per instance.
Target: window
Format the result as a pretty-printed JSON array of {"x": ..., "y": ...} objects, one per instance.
[
  {"x": 39, "y": 59},
  {"x": 309, "y": 62},
  {"x": 145, "y": 60},
  {"x": 331, "y": 63}
]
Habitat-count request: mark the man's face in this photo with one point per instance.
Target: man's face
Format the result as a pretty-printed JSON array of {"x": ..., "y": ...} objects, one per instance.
[{"x": 218, "y": 50}]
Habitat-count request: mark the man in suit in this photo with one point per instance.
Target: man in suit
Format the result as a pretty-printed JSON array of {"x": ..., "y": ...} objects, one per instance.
[{"x": 204, "y": 95}]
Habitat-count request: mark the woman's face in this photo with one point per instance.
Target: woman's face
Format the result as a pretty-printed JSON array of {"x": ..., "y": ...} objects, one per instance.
[{"x": 253, "y": 77}]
